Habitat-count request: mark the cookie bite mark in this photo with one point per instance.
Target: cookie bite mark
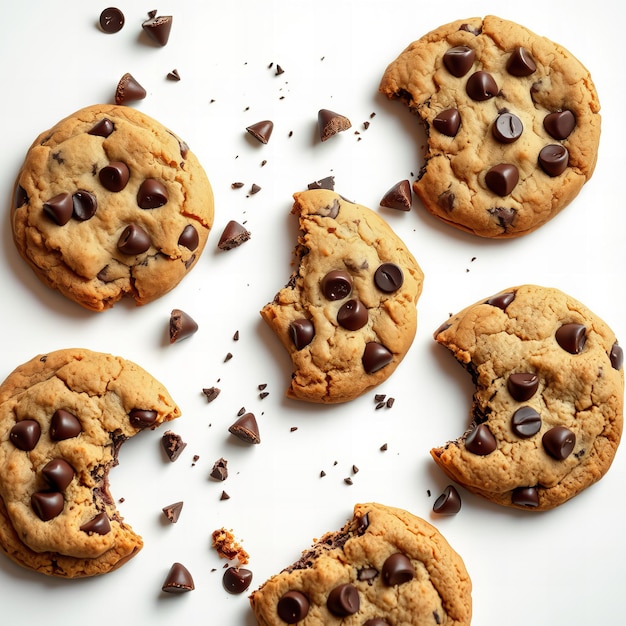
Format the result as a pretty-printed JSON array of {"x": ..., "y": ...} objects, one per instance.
[
  {"x": 547, "y": 412},
  {"x": 348, "y": 315}
]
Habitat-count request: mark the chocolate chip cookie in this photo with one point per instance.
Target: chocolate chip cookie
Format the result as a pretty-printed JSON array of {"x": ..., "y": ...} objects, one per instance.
[
  {"x": 547, "y": 414},
  {"x": 385, "y": 566},
  {"x": 109, "y": 203},
  {"x": 348, "y": 315},
  {"x": 63, "y": 418},
  {"x": 512, "y": 121}
]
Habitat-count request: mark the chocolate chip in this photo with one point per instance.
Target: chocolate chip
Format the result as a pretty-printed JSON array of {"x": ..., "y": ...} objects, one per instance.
[
  {"x": 233, "y": 235},
  {"x": 330, "y": 123},
  {"x": 220, "y": 470},
  {"x": 133, "y": 240},
  {"x": 261, "y": 131},
  {"x": 507, "y": 128},
  {"x": 559, "y": 442},
  {"x": 480, "y": 441},
  {"x": 85, "y": 205},
  {"x": 448, "y": 503},
  {"x": 114, "y": 176},
  {"x": 111, "y": 20},
  {"x": 182, "y": 326},
  {"x": 376, "y": 621},
  {"x": 502, "y": 178},
  {"x": 99, "y": 525},
  {"x": 520, "y": 63},
  {"x": 343, "y": 600},
  {"x": 388, "y": 277},
  {"x": 59, "y": 208},
  {"x": 189, "y": 238},
  {"x": 211, "y": 393},
  {"x": 362, "y": 523},
  {"x": 616, "y": 356},
  {"x": 398, "y": 197},
  {"x": 47, "y": 504},
  {"x": 64, "y": 425},
  {"x": 158, "y": 28},
  {"x": 448, "y": 122},
  {"x": 323, "y": 183},
  {"x": 352, "y": 315},
  {"x": 172, "y": 444},
  {"x": 102, "y": 128},
  {"x": 526, "y": 422},
  {"x": 152, "y": 194},
  {"x": 20, "y": 198},
  {"x": 525, "y": 496},
  {"x": 502, "y": 300},
  {"x": 59, "y": 474},
  {"x": 236, "y": 579},
  {"x": 172, "y": 511},
  {"x": 559, "y": 124},
  {"x": 336, "y": 285},
  {"x": 142, "y": 418},
  {"x": 553, "y": 159},
  {"x": 481, "y": 86},
  {"x": 571, "y": 337},
  {"x": 128, "y": 90},
  {"x": 246, "y": 429},
  {"x": 397, "y": 569},
  {"x": 173, "y": 75},
  {"x": 459, "y": 60},
  {"x": 25, "y": 434},
  {"x": 178, "y": 580},
  {"x": 301, "y": 332},
  {"x": 375, "y": 357},
  {"x": 292, "y": 607},
  {"x": 522, "y": 385}
]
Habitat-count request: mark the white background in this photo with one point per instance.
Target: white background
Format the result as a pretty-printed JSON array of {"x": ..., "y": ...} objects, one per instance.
[{"x": 559, "y": 567}]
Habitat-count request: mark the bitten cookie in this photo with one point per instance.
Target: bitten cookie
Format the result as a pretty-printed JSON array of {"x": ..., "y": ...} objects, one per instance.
[
  {"x": 109, "y": 203},
  {"x": 512, "y": 121},
  {"x": 63, "y": 418},
  {"x": 385, "y": 566},
  {"x": 348, "y": 315},
  {"x": 547, "y": 414}
]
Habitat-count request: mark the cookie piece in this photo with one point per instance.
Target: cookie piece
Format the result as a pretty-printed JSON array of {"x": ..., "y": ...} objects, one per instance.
[
  {"x": 547, "y": 413},
  {"x": 108, "y": 204},
  {"x": 512, "y": 121},
  {"x": 63, "y": 418},
  {"x": 385, "y": 566},
  {"x": 348, "y": 315}
]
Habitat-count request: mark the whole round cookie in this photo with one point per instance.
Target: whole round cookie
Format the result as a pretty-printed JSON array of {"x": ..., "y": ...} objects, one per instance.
[
  {"x": 512, "y": 121},
  {"x": 109, "y": 203},
  {"x": 547, "y": 413},
  {"x": 63, "y": 418},
  {"x": 348, "y": 315},
  {"x": 385, "y": 566}
]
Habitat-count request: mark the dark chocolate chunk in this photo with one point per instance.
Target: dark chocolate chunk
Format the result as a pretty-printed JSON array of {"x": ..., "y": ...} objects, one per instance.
[
  {"x": 616, "y": 356},
  {"x": 84, "y": 204},
  {"x": 397, "y": 569},
  {"x": 502, "y": 300},
  {"x": 25, "y": 434},
  {"x": 59, "y": 473},
  {"x": 448, "y": 122},
  {"x": 47, "y": 504},
  {"x": 559, "y": 442},
  {"x": 323, "y": 183},
  {"x": 129, "y": 90},
  {"x": 142, "y": 418},
  {"x": 220, "y": 470},
  {"x": 114, "y": 176},
  {"x": 152, "y": 194},
  {"x": 301, "y": 332},
  {"x": 173, "y": 445},
  {"x": 459, "y": 60},
  {"x": 362, "y": 524},
  {"x": 178, "y": 580},
  {"x": 99, "y": 525},
  {"x": 173, "y": 75},
  {"x": 211, "y": 393},
  {"x": 172, "y": 511},
  {"x": 261, "y": 131},
  {"x": 388, "y": 277},
  {"x": 102, "y": 128},
  {"x": 224, "y": 496},
  {"x": 182, "y": 325},
  {"x": 134, "y": 240},
  {"x": 571, "y": 337},
  {"x": 292, "y": 607},
  {"x": 502, "y": 178},
  {"x": 553, "y": 159},
  {"x": 448, "y": 503},
  {"x": 522, "y": 385},
  {"x": 480, "y": 441},
  {"x": 189, "y": 238},
  {"x": 236, "y": 579},
  {"x": 525, "y": 496},
  {"x": 111, "y": 20},
  {"x": 330, "y": 123},
  {"x": 59, "y": 208},
  {"x": 481, "y": 86},
  {"x": 559, "y": 124},
  {"x": 526, "y": 422},
  {"x": 20, "y": 198},
  {"x": 521, "y": 63},
  {"x": 352, "y": 315},
  {"x": 64, "y": 425},
  {"x": 233, "y": 235},
  {"x": 398, "y": 197},
  {"x": 375, "y": 357},
  {"x": 336, "y": 285},
  {"x": 507, "y": 128},
  {"x": 246, "y": 429},
  {"x": 158, "y": 28},
  {"x": 343, "y": 600}
]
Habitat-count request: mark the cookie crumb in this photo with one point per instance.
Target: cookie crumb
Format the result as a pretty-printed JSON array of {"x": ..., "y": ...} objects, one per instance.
[{"x": 227, "y": 547}]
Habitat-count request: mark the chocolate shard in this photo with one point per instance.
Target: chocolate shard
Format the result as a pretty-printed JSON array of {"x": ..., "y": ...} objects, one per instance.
[
  {"x": 323, "y": 183},
  {"x": 128, "y": 90},
  {"x": 172, "y": 511},
  {"x": 172, "y": 444},
  {"x": 246, "y": 429},
  {"x": 182, "y": 325},
  {"x": 178, "y": 580},
  {"x": 330, "y": 123},
  {"x": 158, "y": 28},
  {"x": 262, "y": 131},
  {"x": 220, "y": 470},
  {"x": 398, "y": 197},
  {"x": 211, "y": 393},
  {"x": 233, "y": 235}
]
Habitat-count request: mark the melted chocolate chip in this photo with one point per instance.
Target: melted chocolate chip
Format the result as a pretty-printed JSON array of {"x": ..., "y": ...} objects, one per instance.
[
  {"x": 301, "y": 332},
  {"x": 133, "y": 240},
  {"x": 616, "y": 356},
  {"x": 571, "y": 337},
  {"x": 375, "y": 357},
  {"x": 246, "y": 429},
  {"x": 102, "y": 128},
  {"x": 559, "y": 442},
  {"x": 64, "y": 425},
  {"x": 189, "y": 238},
  {"x": 448, "y": 503},
  {"x": 84, "y": 204},
  {"x": 459, "y": 60},
  {"x": 336, "y": 285},
  {"x": 397, "y": 569},
  {"x": 388, "y": 277},
  {"x": 292, "y": 607},
  {"x": 502, "y": 300},
  {"x": 559, "y": 124},
  {"x": 152, "y": 194},
  {"x": 522, "y": 385},
  {"x": 526, "y": 422},
  {"x": 47, "y": 504},
  {"x": 178, "y": 580},
  {"x": 525, "y": 496},
  {"x": 25, "y": 434},
  {"x": 114, "y": 176},
  {"x": 98, "y": 525},
  {"x": 521, "y": 63},
  {"x": 236, "y": 579},
  {"x": 502, "y": 178},
  {"x": 59, "y": 474},
  {"x": 142, "y": 418},
  {"x": 553, "y": 159},
  {"x": 507, "y": 128},
  {"x": 398, "y": 197},
  {"x": 343, "y": 600},
  {"x": 261, "y": 131},
  {"x": 59, "y": 208},
  {"x": 352, "y": 315},
  {"x": 481, "y": 86},
  {"x": 480, "y": 441},
  {"x": 448, "y": 122}
]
